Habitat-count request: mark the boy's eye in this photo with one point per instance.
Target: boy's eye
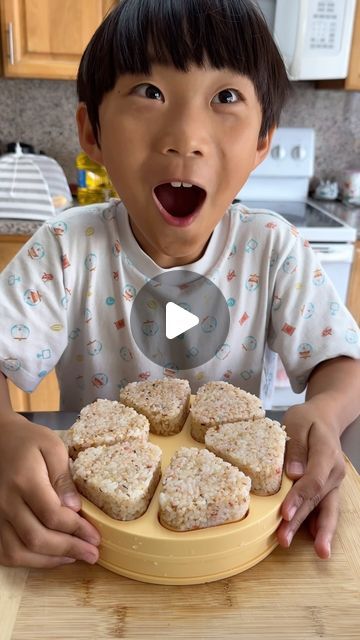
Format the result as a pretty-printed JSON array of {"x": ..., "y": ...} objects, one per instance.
[
  {"x": 227, "y": 96},
  {"x": 149, "y": 91}
]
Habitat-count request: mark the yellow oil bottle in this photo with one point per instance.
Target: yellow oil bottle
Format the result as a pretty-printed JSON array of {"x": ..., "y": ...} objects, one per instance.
[{"x": 93, "y": 182}]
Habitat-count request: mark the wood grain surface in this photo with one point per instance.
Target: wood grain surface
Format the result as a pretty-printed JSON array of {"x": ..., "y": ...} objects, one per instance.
[{"x": 290, "y": 594}]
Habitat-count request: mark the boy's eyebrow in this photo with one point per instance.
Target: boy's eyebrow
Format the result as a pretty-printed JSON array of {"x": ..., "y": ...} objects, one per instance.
[{"x": 154, "y": 61}]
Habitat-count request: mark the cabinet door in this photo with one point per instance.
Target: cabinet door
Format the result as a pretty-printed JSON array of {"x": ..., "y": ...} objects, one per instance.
[
  {"x": 46, "y": 396},
  {"x": 45, "y": 38},
  {"x": 353, "y": 301},
  {"x": 352, "y": 82},
  {"x": 353, "y": 79}
]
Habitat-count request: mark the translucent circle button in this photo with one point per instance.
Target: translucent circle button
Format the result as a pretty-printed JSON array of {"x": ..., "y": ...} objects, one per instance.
[{"x": 180, "y": 320}]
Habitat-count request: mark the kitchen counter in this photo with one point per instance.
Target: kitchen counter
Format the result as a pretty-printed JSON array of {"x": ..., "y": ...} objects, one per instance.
[
  {"x": 291, "y": 594},
  {"x": 13, "y": 227},
  {"x": 349, "y": 214}
]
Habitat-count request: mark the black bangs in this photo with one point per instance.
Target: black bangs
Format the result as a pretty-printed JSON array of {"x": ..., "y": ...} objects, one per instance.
[
  {"x": 223, "y": 33},
  {"x": 185, "y": 32}
]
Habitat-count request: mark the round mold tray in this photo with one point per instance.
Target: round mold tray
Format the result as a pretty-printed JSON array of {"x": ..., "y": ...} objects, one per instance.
[{"x": 145, "y": 550}]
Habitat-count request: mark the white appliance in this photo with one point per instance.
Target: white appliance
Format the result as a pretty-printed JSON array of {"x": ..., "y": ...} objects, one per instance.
[
  {"x": 314, "y": 36},
  {"x": 281, "y": 183}
]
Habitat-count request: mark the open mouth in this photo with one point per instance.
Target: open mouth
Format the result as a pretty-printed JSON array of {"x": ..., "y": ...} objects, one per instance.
[{"x": 180, "y": 199}]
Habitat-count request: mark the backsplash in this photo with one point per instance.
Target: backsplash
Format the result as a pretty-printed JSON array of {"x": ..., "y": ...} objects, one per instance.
[{"x": 42, "y": 113}]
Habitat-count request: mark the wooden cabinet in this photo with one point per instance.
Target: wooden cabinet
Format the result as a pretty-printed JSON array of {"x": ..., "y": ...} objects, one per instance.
[
  {"x": 45, "y": 38},
  {"x": 352, "y": 82},
  {"x": 353, "y": 301},
  {"x": 353, "y": 79},
  {"x": 46, "y": 396}
]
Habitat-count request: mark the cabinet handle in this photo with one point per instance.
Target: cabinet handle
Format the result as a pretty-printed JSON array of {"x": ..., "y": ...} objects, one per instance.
[{"x": 10, "y": 37}]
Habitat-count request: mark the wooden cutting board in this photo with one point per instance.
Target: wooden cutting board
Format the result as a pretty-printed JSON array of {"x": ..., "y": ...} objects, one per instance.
[{"x": 291, "y": 594}]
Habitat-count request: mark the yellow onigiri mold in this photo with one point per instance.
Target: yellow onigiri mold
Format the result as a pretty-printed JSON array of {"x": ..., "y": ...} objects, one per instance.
[{"x": 145, "y": 550}]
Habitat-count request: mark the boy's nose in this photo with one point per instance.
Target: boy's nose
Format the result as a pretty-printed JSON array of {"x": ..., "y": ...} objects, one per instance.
[
  {"x": 184, "y": 137},
  {"x": 182, "y": 149}
]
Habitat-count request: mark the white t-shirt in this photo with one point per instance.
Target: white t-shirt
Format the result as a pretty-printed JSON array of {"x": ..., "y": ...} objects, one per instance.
[{"x": 66, "y": 300}]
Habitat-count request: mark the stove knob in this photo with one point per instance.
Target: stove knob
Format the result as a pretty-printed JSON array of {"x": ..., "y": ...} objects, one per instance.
[
  {"x": 299, "y": 152},
  {"x": 278, "y": 152}
]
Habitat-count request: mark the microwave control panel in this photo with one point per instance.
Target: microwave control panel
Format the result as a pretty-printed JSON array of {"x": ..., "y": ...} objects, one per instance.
[
  {"x": 314, "y": 36},
  {"x": 325, "y": 26}
]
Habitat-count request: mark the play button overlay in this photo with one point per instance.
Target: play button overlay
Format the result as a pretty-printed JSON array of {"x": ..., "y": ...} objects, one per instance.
[{"x": 180, "y": 320}]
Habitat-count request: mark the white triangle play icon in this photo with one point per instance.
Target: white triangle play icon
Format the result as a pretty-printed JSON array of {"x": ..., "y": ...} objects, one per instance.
[{"x": 178, "y": 320}]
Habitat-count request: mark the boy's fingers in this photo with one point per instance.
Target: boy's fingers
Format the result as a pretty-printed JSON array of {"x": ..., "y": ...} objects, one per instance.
[
  {"x": 304, "y": 497},
  {"x": 13, "y": 552},
  {"x": 295, "y": 458},
  {"x": 40, "y": 540},
  {"x": 287, "y": 530},
  {"x": 325, "y": 523},
  {"x": 323, "y": 527},
  {"x": 57, "y": 462},
  {"x": 307, "y": 492},
  {"x": 45, "y": 504},
  {"x": 324, "y": 472},
  {"x": 296, "y": 453},
  {"x": 67, "y": 492},
  {"x": 46, "y": 507},
  {"x": 52, "y": 516}
]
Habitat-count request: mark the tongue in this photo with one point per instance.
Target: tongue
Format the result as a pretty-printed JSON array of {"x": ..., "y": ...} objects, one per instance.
[{"x": 181, "y": 201}]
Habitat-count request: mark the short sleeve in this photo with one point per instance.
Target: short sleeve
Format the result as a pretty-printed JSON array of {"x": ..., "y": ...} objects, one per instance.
[
  {"x": 308, "y": 321},
  {"x": 34, "y": 300}
]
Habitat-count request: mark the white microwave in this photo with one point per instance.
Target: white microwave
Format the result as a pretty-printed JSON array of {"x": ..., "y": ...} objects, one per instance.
[{"x": 314, "y": 36}]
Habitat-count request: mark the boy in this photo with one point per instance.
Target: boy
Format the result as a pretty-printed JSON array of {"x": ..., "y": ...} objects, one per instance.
[{"x": 179, "y": 100}]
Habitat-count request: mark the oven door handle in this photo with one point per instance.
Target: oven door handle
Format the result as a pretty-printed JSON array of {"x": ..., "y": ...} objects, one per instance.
[{"x": 335, "y": 256}]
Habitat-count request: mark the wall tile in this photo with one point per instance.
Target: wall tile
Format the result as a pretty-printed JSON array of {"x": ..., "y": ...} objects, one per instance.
[
  {"x": 335, "y": 116},
  {"x": 42, "y": 113}
]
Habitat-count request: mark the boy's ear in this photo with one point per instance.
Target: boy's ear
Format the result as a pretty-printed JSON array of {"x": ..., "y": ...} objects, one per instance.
[
  {"x": 86, "y": 134},
  {"x": 264, "y": 145}
]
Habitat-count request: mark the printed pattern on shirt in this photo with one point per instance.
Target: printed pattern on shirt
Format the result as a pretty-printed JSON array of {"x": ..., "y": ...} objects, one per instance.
[{"x": 67, "y": 299}]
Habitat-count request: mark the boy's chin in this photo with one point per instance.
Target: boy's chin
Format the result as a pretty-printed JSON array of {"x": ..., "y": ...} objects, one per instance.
[{"x": 181, "y": 254}]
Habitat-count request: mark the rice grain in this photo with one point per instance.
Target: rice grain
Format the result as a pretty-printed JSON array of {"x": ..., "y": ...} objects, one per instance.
[
  {"x": 256, "y": 447},
  {"x": 164, "y": 402},
  {"x": 119, "y": 479},
  {"x": 220, "y": 402},
  {"x": 200, "y": 490},
  {"x": 105, "y": 422}
]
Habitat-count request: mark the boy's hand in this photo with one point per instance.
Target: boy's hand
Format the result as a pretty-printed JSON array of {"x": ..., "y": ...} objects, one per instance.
[
  {"x": 313, "y": 459},
  {"x": 36, "y": 530}
]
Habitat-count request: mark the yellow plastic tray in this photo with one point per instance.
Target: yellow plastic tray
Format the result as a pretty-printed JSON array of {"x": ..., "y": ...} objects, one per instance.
[{"x": 145, "y": 550}]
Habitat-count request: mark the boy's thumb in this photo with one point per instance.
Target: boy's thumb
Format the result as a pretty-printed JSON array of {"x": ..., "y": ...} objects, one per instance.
[
  {"x": 66, "y": 490},
  {"x": 57, "y": 461},
  {"x": 295, "y": 458}
]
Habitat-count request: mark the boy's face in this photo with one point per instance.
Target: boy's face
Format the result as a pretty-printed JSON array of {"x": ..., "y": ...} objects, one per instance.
[{"x": 200, "y": 128}]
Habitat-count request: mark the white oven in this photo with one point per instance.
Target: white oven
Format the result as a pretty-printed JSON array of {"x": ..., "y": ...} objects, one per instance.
[
  {"x": 314, "y": 36},
  {"x": 281, "y": 184}
]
